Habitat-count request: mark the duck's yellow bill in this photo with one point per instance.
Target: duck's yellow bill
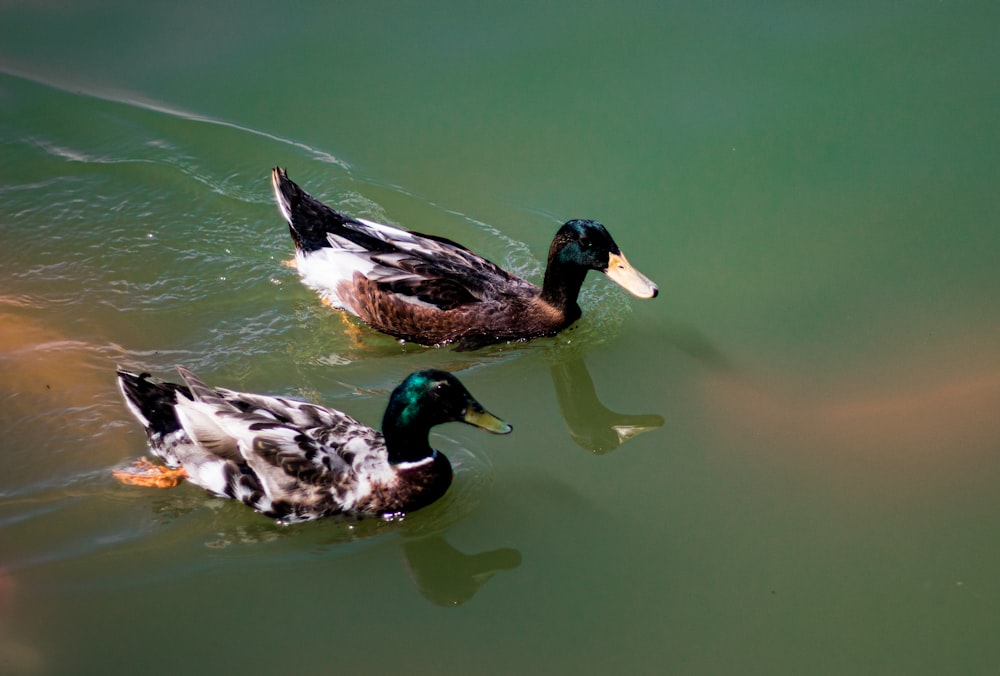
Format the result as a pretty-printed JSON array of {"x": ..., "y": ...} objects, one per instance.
[
  {"x": 624, "y": 275},
  {"x": 483, "y": 419}
]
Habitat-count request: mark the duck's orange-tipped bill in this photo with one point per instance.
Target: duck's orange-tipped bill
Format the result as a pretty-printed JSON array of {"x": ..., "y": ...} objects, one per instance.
[{"x": 624, "y": 275}]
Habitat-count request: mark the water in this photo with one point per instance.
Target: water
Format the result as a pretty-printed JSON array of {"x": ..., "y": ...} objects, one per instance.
[{"x": 810, "y": 486}]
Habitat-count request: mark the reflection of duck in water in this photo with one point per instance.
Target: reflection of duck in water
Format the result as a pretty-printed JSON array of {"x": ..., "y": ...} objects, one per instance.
[
  {"x": 448, "y": 577},
  {"x": 600, "y": 430},
  {"x": 442, "y": 574},
  {"x": 430, "y": 290},
  {"x": 592, "y": 425},
  {"x": 296, "y": 461}
]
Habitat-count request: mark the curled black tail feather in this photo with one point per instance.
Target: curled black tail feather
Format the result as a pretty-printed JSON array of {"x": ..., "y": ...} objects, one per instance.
[
  {"x": 152, "y": 401},
  {"x": 310, "y": 222}
]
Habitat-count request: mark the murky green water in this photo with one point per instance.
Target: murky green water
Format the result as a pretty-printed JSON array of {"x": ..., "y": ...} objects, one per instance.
[{"x": 814, "y": 190}]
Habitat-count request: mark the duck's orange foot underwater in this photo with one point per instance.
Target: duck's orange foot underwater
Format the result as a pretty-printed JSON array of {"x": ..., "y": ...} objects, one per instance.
[
  {"x": 144, "y": 473},
  {"x": 355, "y": 332}
]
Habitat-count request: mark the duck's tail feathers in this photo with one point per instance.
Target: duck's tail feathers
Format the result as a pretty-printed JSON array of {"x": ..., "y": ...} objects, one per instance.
[
  {"x": 202, "y": 393},
  {"x": 151, "y": 401},
  {"x": 310, "y": 222}
]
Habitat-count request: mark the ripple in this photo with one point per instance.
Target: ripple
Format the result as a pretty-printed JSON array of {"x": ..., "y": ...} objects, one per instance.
[{"x": 135, "y": 245}]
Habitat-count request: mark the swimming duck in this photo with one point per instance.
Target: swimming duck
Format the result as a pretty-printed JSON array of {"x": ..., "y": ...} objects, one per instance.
[
  {"x": 431, "y": 290},
  {"x": 295, "y": 461}
]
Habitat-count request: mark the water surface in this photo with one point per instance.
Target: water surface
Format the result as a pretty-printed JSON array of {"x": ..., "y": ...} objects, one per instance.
[{"x": 786, "y": 463}]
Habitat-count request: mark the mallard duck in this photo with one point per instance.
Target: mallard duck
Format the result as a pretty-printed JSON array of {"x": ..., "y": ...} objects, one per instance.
[
  {"x": 296, "y": 461},
  {"x": 432, "y": 291}
]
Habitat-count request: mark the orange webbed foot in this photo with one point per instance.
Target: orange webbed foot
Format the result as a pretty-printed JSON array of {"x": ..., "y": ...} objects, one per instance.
[
  {"x": 354, "y": 332},
  {"x": 144, "y": 473}
]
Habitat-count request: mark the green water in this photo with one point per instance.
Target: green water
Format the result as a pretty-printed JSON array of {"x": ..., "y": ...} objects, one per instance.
[{"x": 814, "y": 189}]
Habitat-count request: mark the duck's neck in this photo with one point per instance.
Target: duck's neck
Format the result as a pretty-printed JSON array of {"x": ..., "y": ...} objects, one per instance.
[
  {"x": 561, "y": 286},
  {"x": 407, "y": 443}
]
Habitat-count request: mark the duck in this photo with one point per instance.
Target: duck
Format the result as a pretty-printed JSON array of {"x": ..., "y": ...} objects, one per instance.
[
  {"x": 295, "y": 461},
  {"x": 433, "y": 291}
]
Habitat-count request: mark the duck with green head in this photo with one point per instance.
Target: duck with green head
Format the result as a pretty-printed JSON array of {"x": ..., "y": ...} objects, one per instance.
[
  {"x": 433, "y": 291},
  {"x": 296, "y": 461}
]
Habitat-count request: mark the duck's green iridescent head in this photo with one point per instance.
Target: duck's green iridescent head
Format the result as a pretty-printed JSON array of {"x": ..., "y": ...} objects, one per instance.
[
  {"x": 432, "y": 397},
  {"x": 588, "y": 245}
]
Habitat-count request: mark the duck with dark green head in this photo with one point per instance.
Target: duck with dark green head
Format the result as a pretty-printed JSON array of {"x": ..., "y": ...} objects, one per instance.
[
  {"x": 433, "y": 291},
  {"x": 296, "y": 461}
]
